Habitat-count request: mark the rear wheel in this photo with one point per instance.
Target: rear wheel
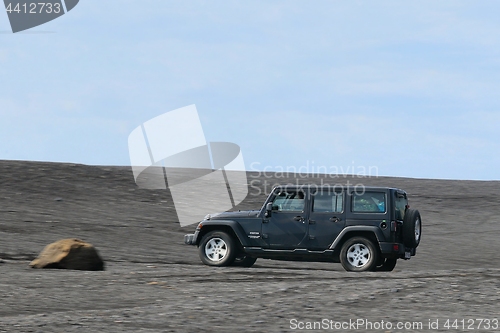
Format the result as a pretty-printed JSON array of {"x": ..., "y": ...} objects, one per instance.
[
  {"x": 244, "y": 261},
  {"x": 412, "y": 228},
  {"x": 217, "y": 249},
  {"x": 387, "y": 265},
  {"x": 358, "y": 254}
]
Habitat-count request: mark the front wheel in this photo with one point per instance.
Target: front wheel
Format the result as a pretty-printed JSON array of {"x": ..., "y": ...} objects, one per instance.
[
  {"x": 217, "y": 249},
  {"x": 358, "y": 254}
]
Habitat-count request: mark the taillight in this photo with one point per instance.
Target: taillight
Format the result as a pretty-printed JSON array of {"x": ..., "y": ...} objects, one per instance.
[{"x": 395, "y": 247}]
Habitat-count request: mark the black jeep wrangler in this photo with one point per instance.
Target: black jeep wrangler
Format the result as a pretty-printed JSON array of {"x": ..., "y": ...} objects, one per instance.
[{"x": 363, "y": 228}]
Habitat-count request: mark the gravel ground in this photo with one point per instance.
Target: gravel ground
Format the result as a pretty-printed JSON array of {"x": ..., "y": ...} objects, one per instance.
[{"x": 154, "y": 283}]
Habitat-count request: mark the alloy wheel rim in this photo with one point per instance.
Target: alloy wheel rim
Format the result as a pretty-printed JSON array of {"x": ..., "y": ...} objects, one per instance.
[
  {"x": 216, "y": 249},
  {"x": 358, "y": 255},
  {"x": 417, "y": 230}
]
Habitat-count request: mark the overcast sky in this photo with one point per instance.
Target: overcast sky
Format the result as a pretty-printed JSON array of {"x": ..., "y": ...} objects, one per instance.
[{"x": 398, "y": 88}]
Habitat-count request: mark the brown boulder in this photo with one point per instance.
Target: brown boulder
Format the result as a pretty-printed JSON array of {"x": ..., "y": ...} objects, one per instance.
[{"x": 69, "y": 254}]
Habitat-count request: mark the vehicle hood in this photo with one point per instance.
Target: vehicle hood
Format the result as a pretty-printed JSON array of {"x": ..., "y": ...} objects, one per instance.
[{"x": 231, "y": 215}]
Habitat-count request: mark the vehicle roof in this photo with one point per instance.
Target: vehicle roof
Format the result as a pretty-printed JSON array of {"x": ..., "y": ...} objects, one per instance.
[{"x": 336, "y": 186}]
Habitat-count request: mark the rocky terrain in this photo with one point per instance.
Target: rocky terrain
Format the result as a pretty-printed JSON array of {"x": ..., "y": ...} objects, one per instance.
[{"x": 155, "y": 283}]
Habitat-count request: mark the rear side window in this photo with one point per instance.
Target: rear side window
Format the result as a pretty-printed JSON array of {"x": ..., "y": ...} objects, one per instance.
[
  {"x": 400, "y": 204},
  {"x": 369, "y": 202},
  {"x": 328, "y": 202}
]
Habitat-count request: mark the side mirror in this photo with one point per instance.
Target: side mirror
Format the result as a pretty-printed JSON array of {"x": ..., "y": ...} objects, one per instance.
[{"x": 269, "y": 209}]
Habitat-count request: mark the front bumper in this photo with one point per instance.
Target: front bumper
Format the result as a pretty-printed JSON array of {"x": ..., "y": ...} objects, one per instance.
[{"x": 190, "y": 239}]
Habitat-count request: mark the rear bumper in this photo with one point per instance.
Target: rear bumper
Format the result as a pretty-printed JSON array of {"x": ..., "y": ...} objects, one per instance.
[{"x": 389, "y": 250}]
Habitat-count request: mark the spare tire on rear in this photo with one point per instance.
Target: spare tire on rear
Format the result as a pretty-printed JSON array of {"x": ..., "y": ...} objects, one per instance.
[{"x": 412, "y": 228}]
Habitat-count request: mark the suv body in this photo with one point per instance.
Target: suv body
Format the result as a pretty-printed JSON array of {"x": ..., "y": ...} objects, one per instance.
[{"x": 364, "y": 228}]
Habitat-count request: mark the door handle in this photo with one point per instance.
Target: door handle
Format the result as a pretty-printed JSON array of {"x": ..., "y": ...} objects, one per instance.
[
  {"x": 298, "y": 218},
  {"x": 335, "y": 219}
]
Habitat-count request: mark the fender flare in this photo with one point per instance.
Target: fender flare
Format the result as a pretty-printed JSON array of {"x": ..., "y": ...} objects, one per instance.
[
  {"x": 378, "y": 234},
  {"x": 235, "y": 227}
]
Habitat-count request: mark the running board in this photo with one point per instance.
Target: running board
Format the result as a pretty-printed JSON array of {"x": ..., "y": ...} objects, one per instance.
[{"x": 293, "y": 252}]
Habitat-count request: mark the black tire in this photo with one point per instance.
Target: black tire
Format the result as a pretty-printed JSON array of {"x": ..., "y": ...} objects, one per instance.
[
  {"x": 359, "y": 254},
  {"x": 244, "y": 261},
  {"x": 412, "y": 228},
  {"x": 217, "y": 248},
  {"x": 388, "y": 265}
]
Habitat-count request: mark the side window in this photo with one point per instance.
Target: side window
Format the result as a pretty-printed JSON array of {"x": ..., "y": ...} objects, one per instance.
[
  {"x": 401, "y": 203},
  {"x": 328, "y": 202},
  {"x": 369, "y": 202},
  {"x": 289, "y": 201}
]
